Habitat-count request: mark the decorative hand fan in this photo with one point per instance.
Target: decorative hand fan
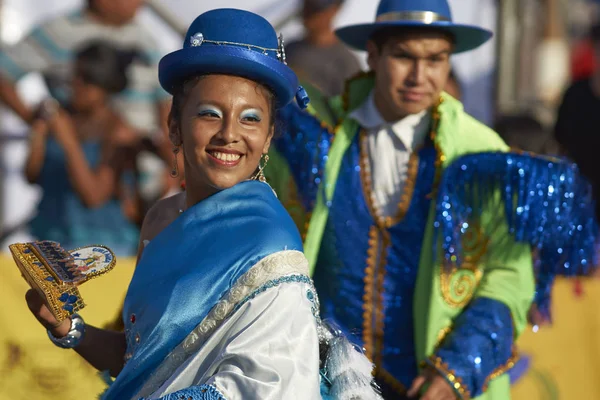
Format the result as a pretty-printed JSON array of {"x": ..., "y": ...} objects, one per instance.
[{"x": 56, "y": 273}]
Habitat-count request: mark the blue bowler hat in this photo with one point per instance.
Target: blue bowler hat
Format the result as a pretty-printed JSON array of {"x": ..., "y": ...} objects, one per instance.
[
  {"x": 233, "y": 42},
  {"x": 415, "y": 13}
]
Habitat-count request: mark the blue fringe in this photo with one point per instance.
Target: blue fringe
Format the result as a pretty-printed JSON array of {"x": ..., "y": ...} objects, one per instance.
[
  {"x": 305, "y": 145},
  {"x": 547, "y": 204}
]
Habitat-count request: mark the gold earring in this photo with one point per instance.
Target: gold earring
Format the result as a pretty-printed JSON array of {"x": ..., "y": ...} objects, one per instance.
[
  {"x": 260, "y": 176},
  {"x": 175, "y": 169}
]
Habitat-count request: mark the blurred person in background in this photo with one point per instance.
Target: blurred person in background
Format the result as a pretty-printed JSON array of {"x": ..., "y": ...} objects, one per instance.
[
  {"x": 83, "y": 158},
  {"x": 49, "y": 49},
  {"x": 320, "y": 58},
  {"x": 524, "y": 132},
  {"x": 578, "y": 119}
]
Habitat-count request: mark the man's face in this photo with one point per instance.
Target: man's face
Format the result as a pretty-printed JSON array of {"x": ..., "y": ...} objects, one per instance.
[{"x": 411, "y": 70}]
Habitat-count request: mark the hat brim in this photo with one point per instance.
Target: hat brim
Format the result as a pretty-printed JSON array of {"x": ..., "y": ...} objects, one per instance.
[
  {"x": 467, "y": 37},
  {"x": 176, "y": 67}
]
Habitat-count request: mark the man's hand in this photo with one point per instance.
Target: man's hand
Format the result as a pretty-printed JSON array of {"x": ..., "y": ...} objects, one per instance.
[{"x": 439, "y": 388}]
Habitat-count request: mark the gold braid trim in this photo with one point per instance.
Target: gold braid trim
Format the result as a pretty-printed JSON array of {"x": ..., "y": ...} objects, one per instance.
[
  {"x": 441, "y": 157},
  {"x": 375, "y": 271},
  {"x": 455, "y": 381},
  {"x": 503, "y": 368},
  {"x": 379, "y": 241},
  {"x": 369, "y": 296},
  {"x": 442, "y": 335}
]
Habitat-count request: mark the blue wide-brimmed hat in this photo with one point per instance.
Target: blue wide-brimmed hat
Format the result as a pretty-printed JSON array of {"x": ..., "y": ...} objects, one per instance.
[
  {"x": 414, "y": 14},
  {"x": 233, "y": 42}
]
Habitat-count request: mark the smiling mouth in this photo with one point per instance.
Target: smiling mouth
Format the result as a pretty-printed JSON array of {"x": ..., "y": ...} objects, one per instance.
[{"x": 229, "y": 159}]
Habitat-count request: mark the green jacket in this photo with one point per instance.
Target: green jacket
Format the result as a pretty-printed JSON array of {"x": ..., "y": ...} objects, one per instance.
[{"x": 501, "y": 271}]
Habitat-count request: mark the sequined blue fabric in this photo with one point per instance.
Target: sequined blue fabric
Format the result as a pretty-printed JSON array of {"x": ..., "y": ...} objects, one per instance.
[
  {"x": 305, "y": 145},
  {"x": 340, "y": 271},
  {"x": 546, "y": 202},
  {"x": 203, "y": 392},
  {"x": 481, "y": 340}
]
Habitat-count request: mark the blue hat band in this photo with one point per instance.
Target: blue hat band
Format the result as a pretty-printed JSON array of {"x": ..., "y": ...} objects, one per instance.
[{"x": 425, "y": 17}]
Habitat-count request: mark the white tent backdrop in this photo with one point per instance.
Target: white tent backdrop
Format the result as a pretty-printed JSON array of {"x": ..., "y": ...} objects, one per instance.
[{"x": 475, "y": 69}]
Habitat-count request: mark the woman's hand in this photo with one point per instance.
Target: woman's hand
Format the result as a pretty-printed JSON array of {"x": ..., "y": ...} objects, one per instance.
[
  {"x": 40, "y": 310},
  {"x": 105, "y": 350}
]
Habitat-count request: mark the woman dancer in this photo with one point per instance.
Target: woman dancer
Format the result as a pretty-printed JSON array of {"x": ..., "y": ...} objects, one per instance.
[{"x": 221, "y": 305}]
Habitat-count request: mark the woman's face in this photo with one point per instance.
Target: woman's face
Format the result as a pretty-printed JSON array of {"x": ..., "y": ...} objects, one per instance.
[{"x": 224, "y": 127}]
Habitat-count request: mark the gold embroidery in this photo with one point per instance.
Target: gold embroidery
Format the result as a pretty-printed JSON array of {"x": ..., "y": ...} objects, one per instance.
[
  {"x": 458, "y": 284},
  {"x": 369, "y": 295},
  {"x": 503, "y": 368},
  {"x": 440, "y": 156},
  {"x": 457, "y": 383},
  {"x": 380, "y": 311},
  {"x": 373, "y": 300},
  {"x": 374, "y": 273}
]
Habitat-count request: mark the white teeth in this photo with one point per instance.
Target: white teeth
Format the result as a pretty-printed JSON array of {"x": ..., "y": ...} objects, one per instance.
[{"x": 225, "y": 156}]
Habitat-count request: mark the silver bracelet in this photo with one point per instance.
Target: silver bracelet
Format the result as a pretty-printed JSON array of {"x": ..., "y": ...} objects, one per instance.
[{"x": 73, "y": 337}]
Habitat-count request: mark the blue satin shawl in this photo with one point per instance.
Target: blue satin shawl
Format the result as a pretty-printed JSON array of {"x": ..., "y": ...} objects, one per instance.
[{"x": 190, "y": 265}]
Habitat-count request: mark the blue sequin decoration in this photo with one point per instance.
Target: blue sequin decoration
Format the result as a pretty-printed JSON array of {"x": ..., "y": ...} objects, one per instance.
[
  {"x": 481, "y": 340},
  {"x": 340, "y": 270},
  {"x": 547, "y": 204},
  {"x": 305, "y": 144}
]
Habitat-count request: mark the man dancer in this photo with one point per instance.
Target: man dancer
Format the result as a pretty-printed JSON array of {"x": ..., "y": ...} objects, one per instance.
[{"x": 367, "y": 185}]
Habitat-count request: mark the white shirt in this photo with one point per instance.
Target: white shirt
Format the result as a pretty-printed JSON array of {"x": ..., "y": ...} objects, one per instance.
[{"x": 389, "y": 146}]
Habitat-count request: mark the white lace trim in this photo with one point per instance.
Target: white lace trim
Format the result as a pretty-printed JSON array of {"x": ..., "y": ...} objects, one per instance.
[{"x": 273, "y": 266}]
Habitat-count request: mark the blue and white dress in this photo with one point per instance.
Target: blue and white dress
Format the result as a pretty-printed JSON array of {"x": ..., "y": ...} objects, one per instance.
[{"x": 221, "y": 307}]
